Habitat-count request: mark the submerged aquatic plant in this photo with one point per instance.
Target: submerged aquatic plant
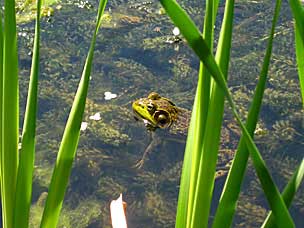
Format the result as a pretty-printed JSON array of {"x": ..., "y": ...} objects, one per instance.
[
  {"x": 17, "y": 164},
  {"x": 203, "y": 137}
]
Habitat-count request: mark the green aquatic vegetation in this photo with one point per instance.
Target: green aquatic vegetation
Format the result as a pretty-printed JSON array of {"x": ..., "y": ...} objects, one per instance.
[
  {"x": 246, "y": 208},
  {"x": 83, "y": 215},
  {"x": 284, "y": 130},
  {"x": 276, "y": 98},
  {"x": 26, "y": 10},
  {"x": 119, "y": 20},
  {"x": 160, "y": 209},
  {"x": 106, "y": 128},
  {"x": 160, "y": 42},
  {"x": 131, "y": 74}
]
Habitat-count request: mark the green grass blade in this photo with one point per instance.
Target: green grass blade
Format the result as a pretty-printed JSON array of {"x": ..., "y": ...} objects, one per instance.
[
  {"x": 288, "y": 193},
  {"x": 201, "y": 108},
  {"x": 298, "y": 14},
  {"x": 227, "y": 204},
  {"x": 199, "y": 46},
  {"x": 300, "y": 59},
  {"x": 183, "y": 196},
  {"x": 10, "y": 111},
  {"x": 211, "y": 139},
  {"x": 195, "y": 133},
  {"x": 205, "y": 176},
  {"x": 69, "y": 141},
  {"x": 194, "y": 147},
  {"x": 1, "y": 88},
  {"x": 1, "y": 103},
  {"x": 27, "y": 153}
]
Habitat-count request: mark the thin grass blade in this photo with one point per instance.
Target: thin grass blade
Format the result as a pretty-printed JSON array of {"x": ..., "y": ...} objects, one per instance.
[
  {"x": 288, "y": 193},
  {"x": 298, "y": 14},
  {"x": 197, "y": 43},
  {"x": 70, "y": 139},
  {"x": 195, "y": 134},
  {"x": 27, "y": 152},
  {"x": 1, "y": 90},
  {"x": 228, "y": 201},
  {"x": 300, "y": 59},
  {"x": 201, "y": 107},
  {"x": 211, "y": 139},
  {"x": 183, "y": 196},
  {"x": 10, "y": 117}
]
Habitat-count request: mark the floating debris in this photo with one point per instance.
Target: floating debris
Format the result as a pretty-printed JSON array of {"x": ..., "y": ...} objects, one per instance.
[
  {"x": 83, "y": 126},
  {"x": 118, "y": 213},
  {"x": 161, "y": 11},
  {"x": 96, "y": 116},
  {"x": 108, "y": 95},
  {"x": 59, "y": 7},
  {"x": 176, "y": 31},
  {"x": 84, "y": 4}
]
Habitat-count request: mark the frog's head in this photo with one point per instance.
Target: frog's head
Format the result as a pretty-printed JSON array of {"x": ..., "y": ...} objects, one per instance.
[{"x": 155, "y": 111}]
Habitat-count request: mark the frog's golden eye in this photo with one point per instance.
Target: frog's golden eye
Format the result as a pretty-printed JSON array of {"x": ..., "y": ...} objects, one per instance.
[
  {"x": 151, "y": 107},
  {"x": 163, "y": 119}
]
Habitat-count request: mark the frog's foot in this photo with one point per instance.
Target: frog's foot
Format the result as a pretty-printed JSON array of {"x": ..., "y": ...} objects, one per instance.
[
  {"x": 153, "y": 144},
  {"x": 139, "y": 164},
  {"x": 220, "y": 173}
]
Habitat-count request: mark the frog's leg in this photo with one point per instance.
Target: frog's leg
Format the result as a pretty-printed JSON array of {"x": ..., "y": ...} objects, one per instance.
[{"x": 153, "y": 144}]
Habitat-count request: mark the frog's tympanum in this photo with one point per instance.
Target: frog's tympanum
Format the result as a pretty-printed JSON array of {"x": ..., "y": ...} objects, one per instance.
[{"x": 160, "y": 112}]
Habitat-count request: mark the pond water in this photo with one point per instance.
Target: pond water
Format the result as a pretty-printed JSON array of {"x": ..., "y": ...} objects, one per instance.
[{"x": 133, "y": 57}]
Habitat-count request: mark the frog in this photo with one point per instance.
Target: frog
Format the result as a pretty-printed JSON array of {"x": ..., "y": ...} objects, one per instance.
[{"x": 158, "y": 112}]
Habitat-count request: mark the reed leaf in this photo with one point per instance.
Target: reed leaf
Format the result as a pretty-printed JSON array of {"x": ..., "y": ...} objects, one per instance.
[
  {"x": 199, "y": 116},
  {"x": 201, "y": 109},
  {"x": 298, "y": 13},
  {"x": 194, "y": 142},
  {"x": 199, "y": 46},
  {"x": 184, "y": 193},
  {"x": 211, "y": 138},
  {"x": 10, "y": 114},
  {"x": 288, "y": 193},
  {"x": 27, "y": 152},
  {"x": 70, "y": 139},
  {"x": 228, "y": 200},
  {"x": 300, "y": 59},
  {"x": 1, "y": 92}
]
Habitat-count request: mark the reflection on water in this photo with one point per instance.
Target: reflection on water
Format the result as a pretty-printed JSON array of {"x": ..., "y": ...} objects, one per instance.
[{"x": 133, "y": 58}]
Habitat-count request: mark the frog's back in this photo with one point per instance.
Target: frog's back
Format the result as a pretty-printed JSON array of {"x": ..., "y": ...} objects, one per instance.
[{"x": 181, "y": 123}]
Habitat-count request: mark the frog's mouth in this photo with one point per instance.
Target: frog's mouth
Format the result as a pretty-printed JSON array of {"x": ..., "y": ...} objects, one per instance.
[
  {"x": 148, "y": 123},
  {"x": 142, "y": 113}
]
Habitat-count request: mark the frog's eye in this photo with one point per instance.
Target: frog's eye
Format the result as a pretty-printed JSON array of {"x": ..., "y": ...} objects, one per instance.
[
  {"x": 151, "y": 107},
  {"x": 163, "y": 119}
]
